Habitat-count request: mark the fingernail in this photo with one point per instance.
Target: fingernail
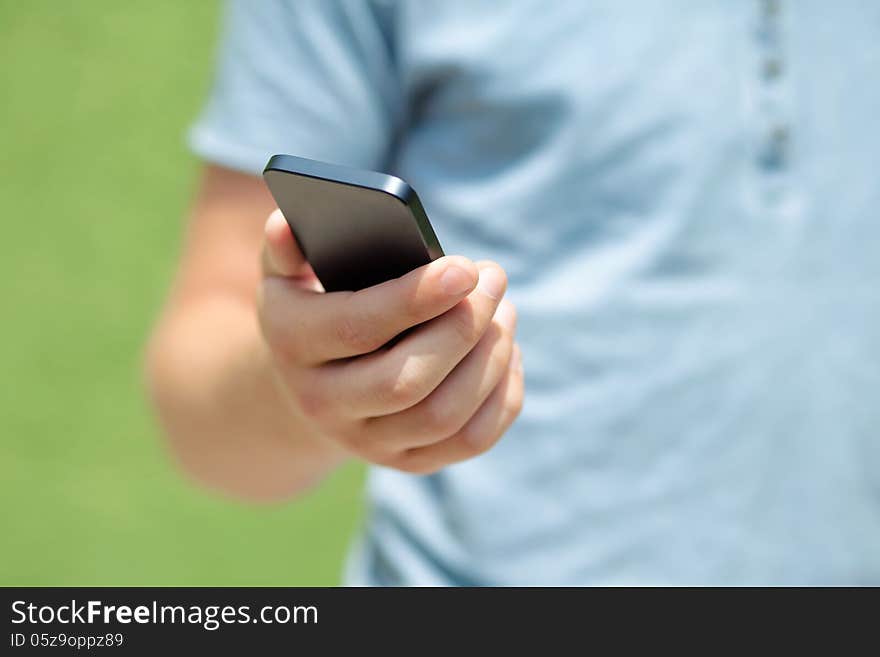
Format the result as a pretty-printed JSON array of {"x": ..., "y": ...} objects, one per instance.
[
  {"x": 275, "y": 218},
  {"x": 455, "y": 281},
  {"x": 491, "y": 283}
]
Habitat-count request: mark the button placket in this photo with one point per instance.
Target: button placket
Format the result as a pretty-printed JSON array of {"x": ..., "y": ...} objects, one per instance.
[{"x": 773, "y": 139}]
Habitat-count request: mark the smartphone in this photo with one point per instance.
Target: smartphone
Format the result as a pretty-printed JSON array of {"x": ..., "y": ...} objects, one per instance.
[{"x": 356, "y": 228}]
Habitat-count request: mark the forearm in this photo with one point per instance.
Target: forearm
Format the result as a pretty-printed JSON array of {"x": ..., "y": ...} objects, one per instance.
[{"x": 228, "y": 421}]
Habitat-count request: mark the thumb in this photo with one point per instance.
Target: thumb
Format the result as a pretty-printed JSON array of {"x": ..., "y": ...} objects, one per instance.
[{"x": 281, "y": 253}]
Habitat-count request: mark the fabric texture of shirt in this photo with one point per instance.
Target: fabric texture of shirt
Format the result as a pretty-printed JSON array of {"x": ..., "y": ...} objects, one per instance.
[{"x": 686, "y": 198}]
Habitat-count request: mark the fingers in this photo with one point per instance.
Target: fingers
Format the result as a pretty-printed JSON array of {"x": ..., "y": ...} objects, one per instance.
[
  {"x": 313, "y": 329},
  {"x": 480, "y": 433},
  {"x": 281, "y": 253},
  {"x": 443, "y": 392},
  {"x": 395, "y": 379},
  {"x": 449, "y": 407}
]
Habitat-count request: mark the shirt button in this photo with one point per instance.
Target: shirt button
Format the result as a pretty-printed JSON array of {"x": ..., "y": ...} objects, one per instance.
[
  {"x": 772, "y": 68},
  {"x": 775, "y": 150},
  {"x": 771, "y": 8}
]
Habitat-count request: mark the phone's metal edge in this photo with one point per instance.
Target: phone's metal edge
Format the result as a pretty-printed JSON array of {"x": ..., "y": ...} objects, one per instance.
[
  {"x": 425, "y": 228},
  {"x": 379, "y": 182}
]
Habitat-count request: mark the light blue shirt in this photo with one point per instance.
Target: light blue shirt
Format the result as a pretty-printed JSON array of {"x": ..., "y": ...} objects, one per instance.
[{"x": 686, "y": 197}]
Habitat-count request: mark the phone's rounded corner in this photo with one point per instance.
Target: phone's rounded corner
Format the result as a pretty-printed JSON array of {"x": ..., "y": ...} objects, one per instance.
[
  {"x": 274, "y": 164},
  {"x": 398, "y": 188}
]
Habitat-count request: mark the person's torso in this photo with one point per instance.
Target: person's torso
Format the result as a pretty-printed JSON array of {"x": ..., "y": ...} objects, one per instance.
[{"x": 686, "y": 198}]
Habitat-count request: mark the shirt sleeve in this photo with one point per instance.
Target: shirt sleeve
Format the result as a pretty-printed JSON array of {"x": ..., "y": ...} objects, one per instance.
[{"x": 311, "y": 78}]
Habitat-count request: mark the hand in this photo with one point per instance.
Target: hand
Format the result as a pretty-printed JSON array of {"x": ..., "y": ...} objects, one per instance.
[{"x": 444, "y": 392}]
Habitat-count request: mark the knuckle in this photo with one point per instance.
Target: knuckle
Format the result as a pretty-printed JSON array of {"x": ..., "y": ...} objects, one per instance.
[
  {"x": 412, "y": 309},
  {"x": 404, "y": 388},
  {"x": 413, "y": 463},
  {"x": 438, "y": 418},
  {"x": 474, "y": 441},
  {"x": 465, "y": 324},
  {"x": 314, "y": 396},
  {"x": 494, "y": 332},
  {"x": 313, "y": 402},
  {"x": 505, "y": 325},
  {"x": 354, "y": 437},
  {"x": 354, "y": 334},
  {"x": 501, "y": 352}
]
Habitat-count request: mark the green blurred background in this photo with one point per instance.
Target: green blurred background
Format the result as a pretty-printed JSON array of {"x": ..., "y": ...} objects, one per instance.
[{"x": 94, "y": 179}]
